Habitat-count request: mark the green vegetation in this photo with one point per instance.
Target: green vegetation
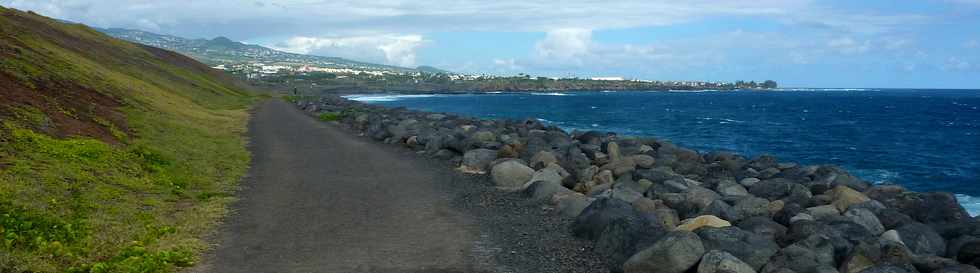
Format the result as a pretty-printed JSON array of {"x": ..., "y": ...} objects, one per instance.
[
  {"x": 329, "y": 116},
  {"x": 114, "y": 157}
]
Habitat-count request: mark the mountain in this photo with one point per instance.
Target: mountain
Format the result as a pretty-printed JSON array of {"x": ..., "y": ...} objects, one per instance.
[
  {"x": 224, "y": 51},
  {"x": 114, "y": 156}
]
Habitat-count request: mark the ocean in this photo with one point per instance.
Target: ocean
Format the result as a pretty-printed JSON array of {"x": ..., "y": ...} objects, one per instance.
[{"x": 926, "y": 140}]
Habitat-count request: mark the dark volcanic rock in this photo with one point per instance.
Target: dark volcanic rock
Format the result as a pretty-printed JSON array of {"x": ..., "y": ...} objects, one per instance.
[
  {"x": 603, "y": 211},
  {"x": 752, "y": 249},
  {"x": 921, "y": 239},
  {"x": 675, "y": 252},
  {"x": 625, "y": 237}
]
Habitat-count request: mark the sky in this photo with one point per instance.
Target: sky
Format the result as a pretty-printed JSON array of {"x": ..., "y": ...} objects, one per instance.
[{"x": 799, "y": 43}]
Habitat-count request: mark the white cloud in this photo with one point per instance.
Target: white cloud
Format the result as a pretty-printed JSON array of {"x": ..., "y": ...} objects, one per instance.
[
  {"x": 507, "y": 64},
  {"x": 956, "y": 64},
  {"x": 389, "y": 49},
  {"x": 566, "y": 45},
  {"x": 848, "y": 45}
]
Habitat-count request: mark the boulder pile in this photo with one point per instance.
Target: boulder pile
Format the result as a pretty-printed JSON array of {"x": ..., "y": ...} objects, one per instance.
[{"x": 651, "y": 206}]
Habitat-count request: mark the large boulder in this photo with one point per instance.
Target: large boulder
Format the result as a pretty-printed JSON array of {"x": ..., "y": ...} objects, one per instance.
[
  {"x": 772, "y": 189},
  {"x": 717, "y": 261},
  {"x": 762, "y": 225},
  {"x": 866, "y": 219},
  {"x": 572, "y": 205},
  {"x": 511, "y": 174},
  {"x": 969, "y": 253},
  {"x": 477, "y": 161},
  {"x": 545, "y": 189},
  {"x": 752, "y": 249},
  {"x": 675, "y": 252},
  {"x": 922, "y": 239},
  {"x": 844, "y": 197},
  {"x": 624, "y": 237},
  {"x": 542, "y": 159},
  {"x": 814, "y": 254},
  {"x": 594, "y": 218}
]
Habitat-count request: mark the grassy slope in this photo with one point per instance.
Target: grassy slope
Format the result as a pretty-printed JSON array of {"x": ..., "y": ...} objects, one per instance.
[{"x": 114, "y": 157}]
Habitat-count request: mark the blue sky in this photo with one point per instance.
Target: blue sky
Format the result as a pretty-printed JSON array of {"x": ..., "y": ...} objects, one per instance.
[{"x": 799, "y": 43}]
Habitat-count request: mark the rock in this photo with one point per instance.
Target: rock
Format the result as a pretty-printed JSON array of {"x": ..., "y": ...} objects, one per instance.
[
  {"x": 750, "y": 207},
  {"x": 477, "y": 161},
  {"x": 753, "y": 249},
  {"x": 612, "y": 149},
  {"x": 953, "y": 246},
  {"x": 542, "y": 159},
  {"x": 811, "y": 255},
  {"x": 508, "y": 151},
  {"x": 925, "y": 263},
  {"x": 675, "y": 252},
  {"x": 922, "y": 239},
  {"x": 625, "y": 237},
  {"x": 732, "y": 189},
  {"x": 444, "y": 154},
  {"x": 624, "y": 193},
  {"x": 969, "y": 253},
  {"x": 749, "y": 181},
  {"x": 659, "y": 174},
  {"x": 645, "y": 149},
  {"x": 763, "y": 226},
  {"x": 604, "y": 177},
  {"x": 572, "y": 205},
  {"x": 862, "y": 257},
  {"x": 886, "y": 268},
  {"x": 891, "y": 218},
  {"x": 545, "y": 189},
  {"x": 776, "y": 206},
  {"x": 701, "y": 197},
  {"x": 644, "y": 161},
  {"x": 695, "y": 223},
  {"x": 772, "y": 189},
  {"x": 844, "y": 197},
  {"x": 823, "y": 212},
  {"x": 721, "y": 209},
  {"x": 594, "y": 218},
  {"x": 717, "y": 261},
  {"x": 960, "y": 268},
  {"x": 620, "y": 167},
  {"x": 866, "y": 219},
  {"x": 484, "y": 136},
  {"x": 511, "y": 174},
  {"x": 801, "y": 217},
  {"x": 890, "y": 236}
]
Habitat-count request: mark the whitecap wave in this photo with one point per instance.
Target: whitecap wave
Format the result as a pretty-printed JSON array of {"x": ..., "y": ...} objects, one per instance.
[
  {"x": 384, "y": 98},
  {"x": 970, "y": 203},
  {"x": 550, "y": 94}
]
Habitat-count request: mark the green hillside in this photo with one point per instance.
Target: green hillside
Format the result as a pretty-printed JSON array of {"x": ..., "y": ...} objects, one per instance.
[{"x": 114, "y": 157}]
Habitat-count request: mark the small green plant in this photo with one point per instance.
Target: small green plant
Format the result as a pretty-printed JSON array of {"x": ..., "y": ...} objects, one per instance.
[{"x": 329, "y": 116}]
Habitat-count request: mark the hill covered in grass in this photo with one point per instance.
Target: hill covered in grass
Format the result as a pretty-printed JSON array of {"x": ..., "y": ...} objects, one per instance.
[{"x": 114, "y": 156}]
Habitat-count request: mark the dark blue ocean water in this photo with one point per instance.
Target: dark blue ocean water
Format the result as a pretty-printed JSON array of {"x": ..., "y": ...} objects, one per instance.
[{"x": 924, "y": 139}]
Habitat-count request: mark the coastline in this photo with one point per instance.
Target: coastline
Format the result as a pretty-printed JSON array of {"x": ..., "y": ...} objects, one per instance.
[{"x": 599, "y": 178}]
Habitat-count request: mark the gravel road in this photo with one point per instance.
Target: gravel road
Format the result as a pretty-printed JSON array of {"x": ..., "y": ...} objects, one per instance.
[{"x": 320, "y": 199}]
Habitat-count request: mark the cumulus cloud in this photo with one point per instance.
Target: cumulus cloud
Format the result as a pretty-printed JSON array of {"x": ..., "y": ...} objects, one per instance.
[
  {"x": 566, "y": 45},
  {"x": 389, "y": 49}
]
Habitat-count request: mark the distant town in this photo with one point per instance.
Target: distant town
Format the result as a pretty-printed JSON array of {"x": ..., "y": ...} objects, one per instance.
[{"x": 308, "y": 73}]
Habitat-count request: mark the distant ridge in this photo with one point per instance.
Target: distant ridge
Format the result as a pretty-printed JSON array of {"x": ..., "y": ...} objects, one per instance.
[{"x": 224, "y": 51}]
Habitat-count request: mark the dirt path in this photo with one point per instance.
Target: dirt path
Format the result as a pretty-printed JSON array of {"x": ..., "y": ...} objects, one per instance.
[{"x": 319, "y": 199}]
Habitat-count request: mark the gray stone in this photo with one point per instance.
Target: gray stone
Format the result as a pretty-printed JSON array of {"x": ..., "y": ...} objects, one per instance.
[
  {"x": 922, "y": 239},
  {"x": 542, "y": 159},
  {"x": 511, "y": 174},
  {"x": 749, "y": 181},
  {"x": 823, "y": 212},
  {"x": 753, "y": 249},
  {"x": 644, "y": 161},
  {"x": 477, "y": 160},
  {"x": 748, "y": 207},
  {"x": 866, "y": 219},
  {"x": 732, "y": 189},
  {"x": 716, "y": 261},
  {"x": 675, "y": 252}
]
